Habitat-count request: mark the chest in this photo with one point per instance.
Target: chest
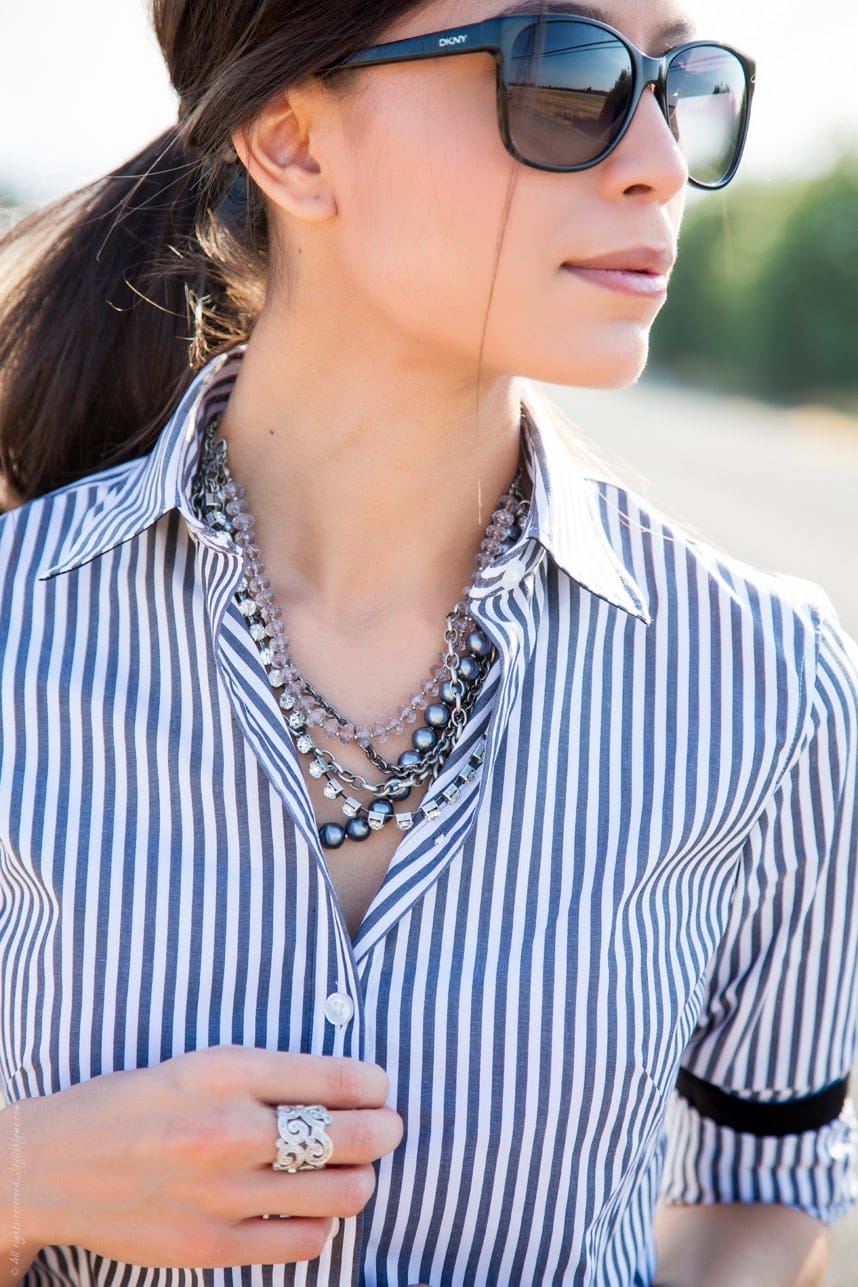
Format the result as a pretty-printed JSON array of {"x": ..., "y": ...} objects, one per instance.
[
  {"x": 159, "y": 852},
  {"x": 357, "y": 868}
]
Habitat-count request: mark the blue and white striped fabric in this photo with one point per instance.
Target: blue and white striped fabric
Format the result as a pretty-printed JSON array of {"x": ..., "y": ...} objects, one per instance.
[{"x": 655, "y": 869}]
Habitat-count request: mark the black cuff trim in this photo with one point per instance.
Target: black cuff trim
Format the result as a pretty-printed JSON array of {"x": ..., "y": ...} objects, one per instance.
[{"x": 791, "y": 1117}]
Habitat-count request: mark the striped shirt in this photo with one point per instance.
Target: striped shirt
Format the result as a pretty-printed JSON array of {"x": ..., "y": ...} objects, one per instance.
[{"x": 653, "y": 871}]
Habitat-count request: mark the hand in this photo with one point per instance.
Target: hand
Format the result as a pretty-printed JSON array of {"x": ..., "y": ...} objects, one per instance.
[{"x": 170, "y": 1166}]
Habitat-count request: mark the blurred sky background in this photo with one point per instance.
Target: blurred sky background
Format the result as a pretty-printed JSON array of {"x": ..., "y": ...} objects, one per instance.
[{"x": 82, "y": 85}]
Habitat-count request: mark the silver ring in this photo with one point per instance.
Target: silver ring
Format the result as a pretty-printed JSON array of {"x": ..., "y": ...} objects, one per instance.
[{"x": 303, "y": 1144}]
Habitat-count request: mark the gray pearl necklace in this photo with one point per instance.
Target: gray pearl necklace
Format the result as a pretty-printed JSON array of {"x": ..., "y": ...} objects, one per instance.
[{"x": 446, "y": 697}]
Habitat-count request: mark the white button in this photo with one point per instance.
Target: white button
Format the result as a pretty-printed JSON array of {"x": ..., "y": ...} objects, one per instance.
[{"x": 339, "y": 1008}]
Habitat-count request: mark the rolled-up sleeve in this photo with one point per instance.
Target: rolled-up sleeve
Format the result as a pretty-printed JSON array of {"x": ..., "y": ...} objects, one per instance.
[{"x": 761, "y": 1113}]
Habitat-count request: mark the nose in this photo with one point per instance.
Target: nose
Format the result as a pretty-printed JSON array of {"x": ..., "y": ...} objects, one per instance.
[{"x": 648, "y": 160}]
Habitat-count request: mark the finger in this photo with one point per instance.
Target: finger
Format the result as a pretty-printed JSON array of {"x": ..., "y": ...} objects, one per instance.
[
  {"x": 335, "y": 1191},
  {"x": 265, "y": 1242},
  {"x": 279, "y": 1077},
  {"x": 358, "y": 1136},
  {"x": 321, "y": 1079}
]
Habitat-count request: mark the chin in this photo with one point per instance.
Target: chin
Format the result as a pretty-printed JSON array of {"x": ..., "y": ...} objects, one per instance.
[{"x": 616, "y": 368}]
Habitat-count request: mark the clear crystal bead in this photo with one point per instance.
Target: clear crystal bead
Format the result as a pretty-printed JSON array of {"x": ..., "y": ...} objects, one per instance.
[
  {"x": 258, "y": 632},
  {"x": 276, "y": 678},
  {"x": 316, "y": 769},
  {"x": 287, "y": 701}
]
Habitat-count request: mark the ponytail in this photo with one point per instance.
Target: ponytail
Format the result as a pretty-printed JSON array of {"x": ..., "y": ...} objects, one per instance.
[
  {"x": 118, "y": 294},
  {"x": 127, "y": 288}
]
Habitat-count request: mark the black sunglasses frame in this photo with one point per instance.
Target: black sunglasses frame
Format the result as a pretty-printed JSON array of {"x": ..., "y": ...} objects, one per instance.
[{"x": 497, "y": 36}]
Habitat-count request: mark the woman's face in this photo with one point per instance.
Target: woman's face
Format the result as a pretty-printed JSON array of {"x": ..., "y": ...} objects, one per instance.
[{"x": 458, "y": 250}]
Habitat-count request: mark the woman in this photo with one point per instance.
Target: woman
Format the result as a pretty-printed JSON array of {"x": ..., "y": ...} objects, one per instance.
[{"x": 439, "y": 959}]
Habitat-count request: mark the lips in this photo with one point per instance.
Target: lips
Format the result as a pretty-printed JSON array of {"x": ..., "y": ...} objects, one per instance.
[{"x": 655, "y": 261}]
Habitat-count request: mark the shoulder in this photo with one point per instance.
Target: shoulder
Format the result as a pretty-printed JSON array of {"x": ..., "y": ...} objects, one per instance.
[
  {"x": 56, "y": 509},
  {"x": 673, "y": 564},
  {"x": 34, "y": 536},
  {"x": 780, "y": 633}
]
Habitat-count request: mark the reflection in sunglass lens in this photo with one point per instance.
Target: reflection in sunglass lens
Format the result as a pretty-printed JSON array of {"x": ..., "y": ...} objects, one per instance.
[
  {"x": 706, "y": 99},
  {"x": 569, "y": 87}
]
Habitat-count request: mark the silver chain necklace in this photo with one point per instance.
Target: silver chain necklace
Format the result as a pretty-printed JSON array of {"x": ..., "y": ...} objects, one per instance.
[{"x": 446, "y": 697}]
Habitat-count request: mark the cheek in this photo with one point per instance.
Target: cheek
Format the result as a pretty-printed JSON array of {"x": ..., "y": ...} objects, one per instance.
[{"x": 423, "y": 216}]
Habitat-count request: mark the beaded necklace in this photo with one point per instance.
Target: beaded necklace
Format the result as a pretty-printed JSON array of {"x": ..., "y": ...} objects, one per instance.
[{"x": 446, "y": 696}]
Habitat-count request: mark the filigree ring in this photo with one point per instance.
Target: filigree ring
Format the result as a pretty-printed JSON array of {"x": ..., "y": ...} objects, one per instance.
[{"x": 303, "y": 1144}]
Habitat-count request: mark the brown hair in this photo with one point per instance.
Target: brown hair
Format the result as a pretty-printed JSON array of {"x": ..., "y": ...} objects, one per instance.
[{"x": 120, "y": 292}]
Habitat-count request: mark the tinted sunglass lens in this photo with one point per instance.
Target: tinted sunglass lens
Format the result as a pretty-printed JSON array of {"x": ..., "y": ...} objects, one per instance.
[
  {"x": 569, "y": 89},
  {"x": 706, "y": 93}
]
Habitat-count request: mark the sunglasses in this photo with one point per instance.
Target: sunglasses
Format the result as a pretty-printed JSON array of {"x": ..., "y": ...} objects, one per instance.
[{"x": 568, "y": 87}]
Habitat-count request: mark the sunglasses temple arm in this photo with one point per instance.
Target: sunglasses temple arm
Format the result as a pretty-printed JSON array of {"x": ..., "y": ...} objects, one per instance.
[{"x": 480, "y": 37}]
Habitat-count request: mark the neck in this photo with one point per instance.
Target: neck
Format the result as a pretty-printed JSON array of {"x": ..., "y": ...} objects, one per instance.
[{"x": 371, "y": 479}]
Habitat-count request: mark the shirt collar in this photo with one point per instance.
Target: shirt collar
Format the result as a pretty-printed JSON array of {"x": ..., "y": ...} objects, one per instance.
[
  {"x": 564, "y": 518},
  {"x": 136, "y": 496}
]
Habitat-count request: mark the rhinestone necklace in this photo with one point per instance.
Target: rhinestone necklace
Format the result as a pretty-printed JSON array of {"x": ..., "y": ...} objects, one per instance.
[{"x": 446, "y": 697}]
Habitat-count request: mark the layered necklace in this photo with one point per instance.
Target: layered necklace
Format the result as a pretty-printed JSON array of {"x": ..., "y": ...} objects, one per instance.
[{"x": 445, "y": 698}]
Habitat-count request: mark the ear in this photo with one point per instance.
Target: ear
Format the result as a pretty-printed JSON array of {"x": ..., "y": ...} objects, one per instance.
[{"x": 277, "y": 151}]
